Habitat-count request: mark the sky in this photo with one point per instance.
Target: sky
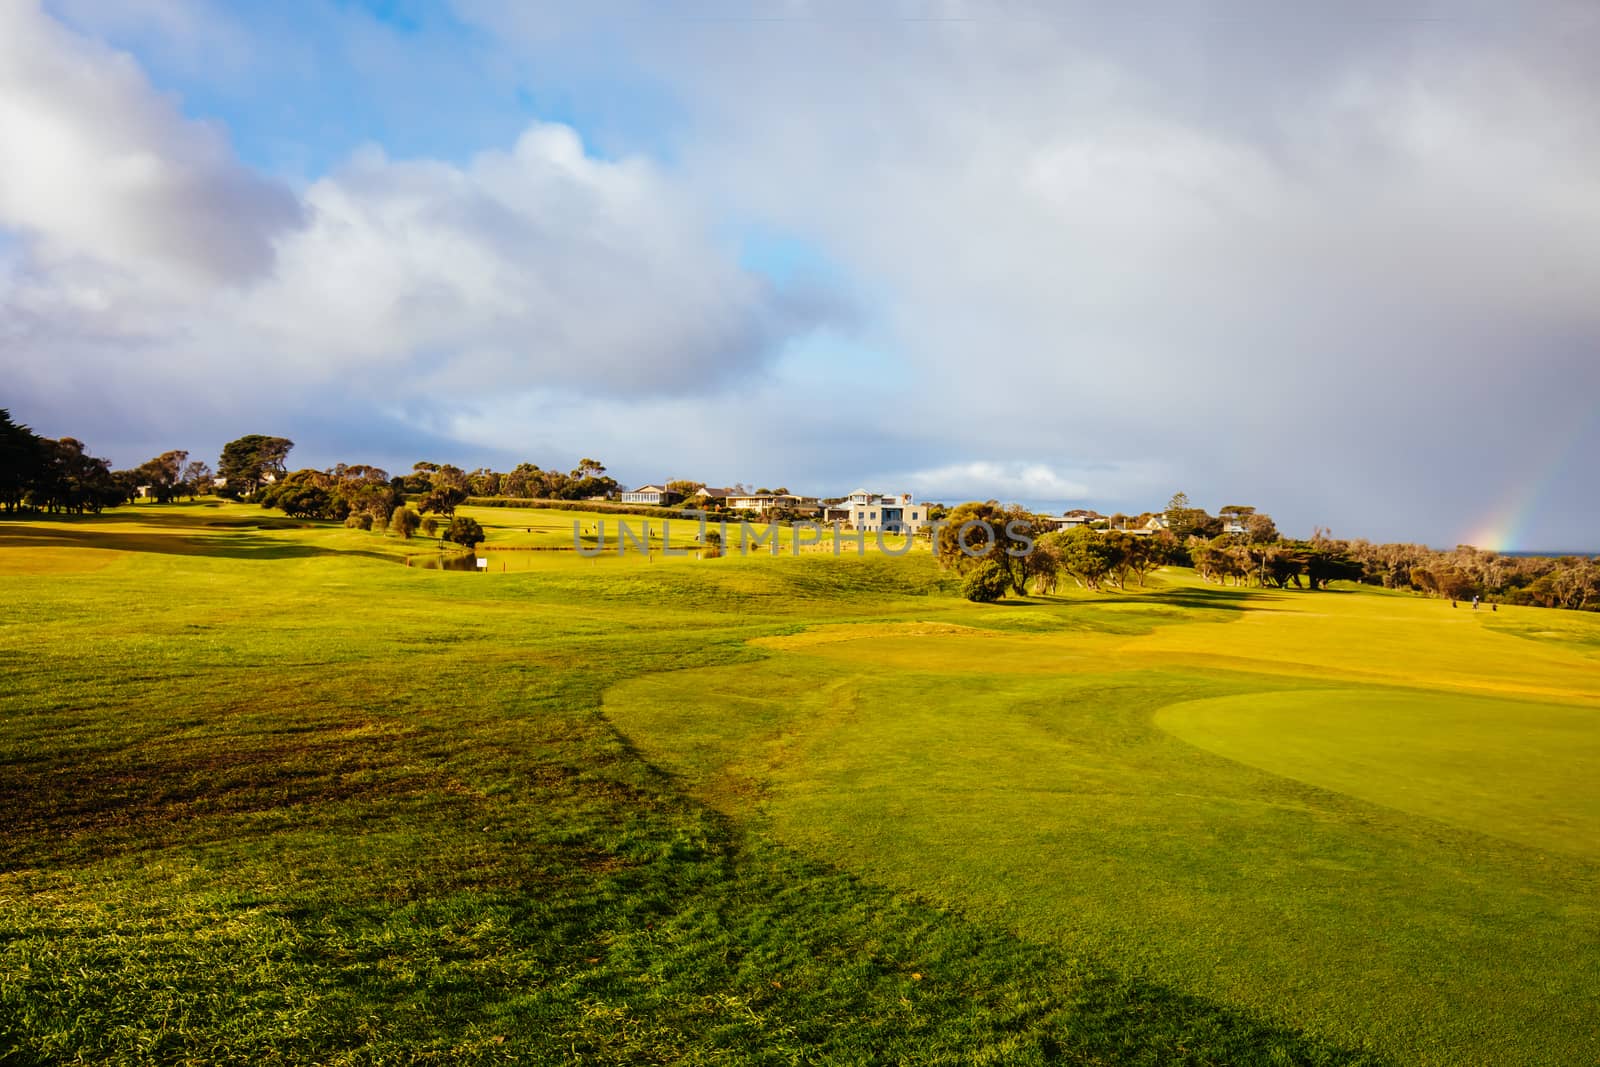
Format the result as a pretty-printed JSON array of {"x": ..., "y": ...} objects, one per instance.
[{"x": 1338, "y": 262}]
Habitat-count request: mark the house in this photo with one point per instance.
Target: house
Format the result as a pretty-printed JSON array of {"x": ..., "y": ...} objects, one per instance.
[
  {"x": 1071, "y": 520},
  {"x": 706, "y": 494},
  {"x": 1154, "y": 524},
  {"x": 651, "y": 494},
  {"x": 267, "y": 478},
  {"x": 764, "y": 503},
  {"x": 1235, "y": 520},
  {"x": 867, "y": 511}
]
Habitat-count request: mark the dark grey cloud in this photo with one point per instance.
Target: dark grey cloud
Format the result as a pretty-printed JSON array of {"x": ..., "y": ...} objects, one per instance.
[{"x": 1338, "y": 262}]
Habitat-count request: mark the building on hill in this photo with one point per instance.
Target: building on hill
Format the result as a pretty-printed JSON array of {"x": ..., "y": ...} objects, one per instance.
[
  {"x": 710, "y": 494},
  {"x": 1071, "y": 520},
  {"x": 766, "y": 503},
  {"x": 870, "y": 512},
  {"x": 1235, "y": 520},
  {"x": 651, "y": 494}
]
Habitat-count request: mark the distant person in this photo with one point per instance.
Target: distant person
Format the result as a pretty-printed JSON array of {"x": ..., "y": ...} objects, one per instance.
[
  {"x": 1452, "y": 602},
  {"x": 1495, "y": 606},
  {"x": 1474, "y": 601}
]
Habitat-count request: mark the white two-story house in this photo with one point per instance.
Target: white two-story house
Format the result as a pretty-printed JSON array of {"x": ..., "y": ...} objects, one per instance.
[{"x": 863, "y": 510}]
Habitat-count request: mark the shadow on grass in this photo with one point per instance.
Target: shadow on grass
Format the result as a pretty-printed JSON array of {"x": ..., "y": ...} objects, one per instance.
[
  {"x": 1219, "y": 599},
  {"x": 231, "y": 545},
  {"x": 164, "y": 517},
  {"x": 584, "y": 880}
]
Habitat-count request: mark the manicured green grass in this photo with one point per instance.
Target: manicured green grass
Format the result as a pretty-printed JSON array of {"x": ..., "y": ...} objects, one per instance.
[
  {"x": 1509, "y": 769},
  {"x": 272, "y": 797}
]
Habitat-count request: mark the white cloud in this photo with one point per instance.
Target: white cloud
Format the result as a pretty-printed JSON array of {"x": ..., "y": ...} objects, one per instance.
[
  {"x": 385, "y": 285},
  {"x": 535, "y": 267},
  {"x": 1019, "y": 481},
  {"x": 94, "y": 161}
]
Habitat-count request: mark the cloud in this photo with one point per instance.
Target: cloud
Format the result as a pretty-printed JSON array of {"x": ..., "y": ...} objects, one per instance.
[
  {"x": 94, "y": 161},
  {"x": 1032, "y": 481},
  {"x": 387, "y": 285},
  {"x": 537, "y": 267},
  {"x": 1334, "y": 263},
  {"x": 1291, "y": 256},
  {"x": 1035, "y": 483}
]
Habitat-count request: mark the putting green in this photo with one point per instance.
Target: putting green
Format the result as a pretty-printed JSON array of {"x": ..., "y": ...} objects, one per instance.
[
  {"x": 1362, "y": 861},
  {"x": 1512, "y": 769}
]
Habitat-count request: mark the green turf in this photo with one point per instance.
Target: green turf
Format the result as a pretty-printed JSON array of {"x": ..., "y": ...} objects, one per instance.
[
  {"x": 1510, "y": 769},
  {"x": 273, "y": 797}
]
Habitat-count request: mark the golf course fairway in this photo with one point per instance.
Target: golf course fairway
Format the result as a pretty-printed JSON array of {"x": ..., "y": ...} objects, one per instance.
[{"x": 275, "y": 793}]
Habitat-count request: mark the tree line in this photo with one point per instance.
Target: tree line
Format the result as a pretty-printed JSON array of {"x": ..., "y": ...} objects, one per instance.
[
  {"x": 1240, "y": 546},
  {"x": 58, "y": 476},
  {"x": 1007, "y": 549},
  {"x": 1463, "y": 572}
]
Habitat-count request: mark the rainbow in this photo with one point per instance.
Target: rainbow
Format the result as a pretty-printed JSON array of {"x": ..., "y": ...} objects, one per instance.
[{"x": 1506, "y": 527}]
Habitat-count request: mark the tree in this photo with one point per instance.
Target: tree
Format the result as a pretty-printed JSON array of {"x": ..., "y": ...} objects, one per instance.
[
  {"x": 1260, "y": 529},
  {"x": 987, "y": 582},
  {"x": 420, "y": 480},
  {"x": 449, "y": 476},
  {"x": 1185, "y": 521},
  {"x": 683, "y": 487},
  {"x": 976, "y": 533},
  {"x": 164, "y": 475},
  {"x": 443, "y": 500},
  {"x": 303, "y": 501},
  {"x": 197, "y": 478},
  {"x": 954, "y": 547},
  {"x": 588, "y": 468},
  {"x": 1151, "y": 553},
  {"x": 246, "y": 462},
  {"x": 1126, "y": 555},
  {"x": 583, "y": 488},
  {"x": 70, "y": 480},
  {"x": 403, "y": 523},
  {"x": 1044, "y": 564},
  {"x": 376, "y": 498},
  {"x": 1221, "y": 558},
  {"x": 21, "y": 460},
  {"x": 465, "y": 532},
  {"x": 1085, "y": 555},
  {"x": 1576, "y": 583}
]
